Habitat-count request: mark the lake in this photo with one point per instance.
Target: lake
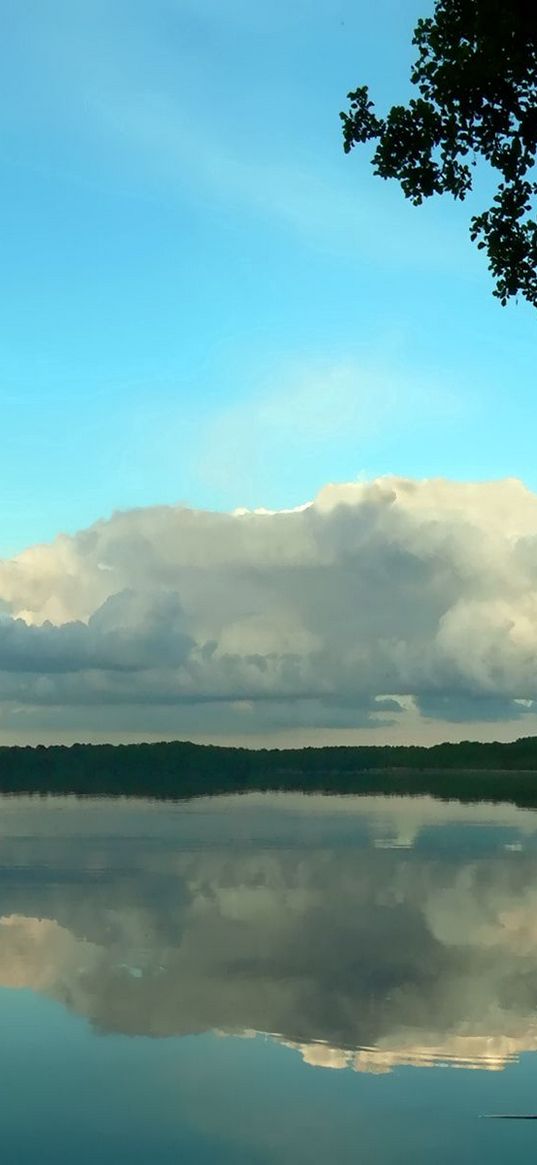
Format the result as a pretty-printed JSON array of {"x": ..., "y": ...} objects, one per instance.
[{"x": 267, "y": 978}]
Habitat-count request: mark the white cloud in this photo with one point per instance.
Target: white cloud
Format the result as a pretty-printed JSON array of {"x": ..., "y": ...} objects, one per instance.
[
  {"x": 424, "y": 591},
  {"x": 168, "y": 117},
  {"x": 310, "y": 409}
]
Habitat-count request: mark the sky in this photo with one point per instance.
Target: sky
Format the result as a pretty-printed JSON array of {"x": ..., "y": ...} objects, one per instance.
[{"x": 206, "y": 304}]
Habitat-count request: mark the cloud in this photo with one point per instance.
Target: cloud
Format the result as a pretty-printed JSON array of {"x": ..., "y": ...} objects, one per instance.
[
  {"x": 313, "y": 409},
  {"x": 423, "y": 592},
  {"x": 161, "y": 105}
]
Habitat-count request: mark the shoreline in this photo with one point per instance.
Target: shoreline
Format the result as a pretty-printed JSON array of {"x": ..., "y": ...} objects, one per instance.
[{"x": 468, "y": 772}]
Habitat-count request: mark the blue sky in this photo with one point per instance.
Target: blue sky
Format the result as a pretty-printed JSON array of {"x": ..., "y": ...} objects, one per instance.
[
  {"x": 203, "y": 299},
  {"x": 205, "y": 302}
]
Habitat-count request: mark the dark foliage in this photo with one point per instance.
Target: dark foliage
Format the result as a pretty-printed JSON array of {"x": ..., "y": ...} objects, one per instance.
[
  {"x": 476, "y": 74},
  {"x": 467, "y": 772}
]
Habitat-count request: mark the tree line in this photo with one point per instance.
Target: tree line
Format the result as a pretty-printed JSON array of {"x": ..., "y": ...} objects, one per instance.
[{"x": 468, "y": 771}]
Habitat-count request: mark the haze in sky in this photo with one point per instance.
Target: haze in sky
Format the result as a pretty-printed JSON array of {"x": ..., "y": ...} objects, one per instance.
[{"x": 208, "y": 308}]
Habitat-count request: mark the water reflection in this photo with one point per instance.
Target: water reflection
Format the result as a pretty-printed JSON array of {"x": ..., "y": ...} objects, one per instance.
[{"x": 364, "y": 933}]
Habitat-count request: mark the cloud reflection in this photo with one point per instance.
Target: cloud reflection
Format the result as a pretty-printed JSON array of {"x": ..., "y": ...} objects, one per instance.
[{"x": 283, "y": 916}]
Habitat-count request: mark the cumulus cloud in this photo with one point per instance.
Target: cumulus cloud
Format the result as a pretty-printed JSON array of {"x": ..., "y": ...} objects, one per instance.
[{"x": 422, "y": 592}]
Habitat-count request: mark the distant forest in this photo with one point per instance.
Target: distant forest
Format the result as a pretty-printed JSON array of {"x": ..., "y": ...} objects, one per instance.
[{"x": 468, "y": 771}]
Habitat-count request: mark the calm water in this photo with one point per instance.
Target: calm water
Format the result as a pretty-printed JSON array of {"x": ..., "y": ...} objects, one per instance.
[{"x": 267, "y": 979}]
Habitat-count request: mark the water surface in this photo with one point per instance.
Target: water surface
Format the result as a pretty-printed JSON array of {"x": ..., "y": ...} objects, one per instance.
[{"x": 267, "y": 978}]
